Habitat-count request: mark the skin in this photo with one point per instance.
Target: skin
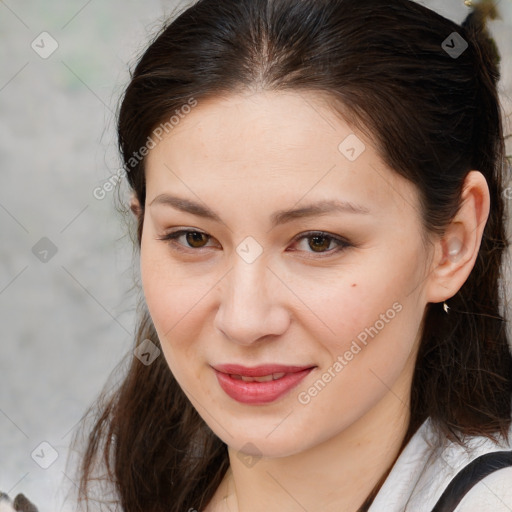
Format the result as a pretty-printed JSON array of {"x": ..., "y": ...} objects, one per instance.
[{"x": 300, "y": 302}]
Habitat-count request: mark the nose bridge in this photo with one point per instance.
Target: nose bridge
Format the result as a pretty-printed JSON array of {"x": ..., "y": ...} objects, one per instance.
[{"x": 250, "y": 304}]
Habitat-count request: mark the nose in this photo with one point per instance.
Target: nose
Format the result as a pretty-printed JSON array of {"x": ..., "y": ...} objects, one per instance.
[{"x": 252, "y": 304}]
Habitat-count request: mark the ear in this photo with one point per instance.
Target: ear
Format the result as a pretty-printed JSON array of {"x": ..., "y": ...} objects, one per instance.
[
  {"x": 135, "y": 205},
  {"x": 457, "y": 250}
]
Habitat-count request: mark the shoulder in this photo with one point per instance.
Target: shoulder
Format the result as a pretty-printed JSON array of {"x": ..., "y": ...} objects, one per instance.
[
  {"x": 479, "y": 460},
  {"x": 492, "y": 494},
  {"x": 428, "y": 465},
  {"x": 488, "y": 465}
]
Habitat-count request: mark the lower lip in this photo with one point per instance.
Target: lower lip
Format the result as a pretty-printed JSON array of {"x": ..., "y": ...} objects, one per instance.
[{"x": 259, "y": 392}]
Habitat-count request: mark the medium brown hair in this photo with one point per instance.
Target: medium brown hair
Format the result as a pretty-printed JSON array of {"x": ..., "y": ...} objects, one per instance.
[{"x": 433, "y": 118}]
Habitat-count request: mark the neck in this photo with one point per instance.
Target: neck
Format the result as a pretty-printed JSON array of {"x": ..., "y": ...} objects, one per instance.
[{"x": 336, "y": 475}]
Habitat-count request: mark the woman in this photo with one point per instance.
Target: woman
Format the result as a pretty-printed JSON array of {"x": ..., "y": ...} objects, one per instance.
[{"x": 318, "y": 188}]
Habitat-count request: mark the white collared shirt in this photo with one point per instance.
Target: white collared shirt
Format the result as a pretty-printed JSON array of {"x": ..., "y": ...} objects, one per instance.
[{"x": 426, "y": 467}]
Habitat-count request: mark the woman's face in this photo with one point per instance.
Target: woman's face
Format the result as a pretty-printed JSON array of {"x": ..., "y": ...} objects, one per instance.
[{"x": 340, "y": 294}]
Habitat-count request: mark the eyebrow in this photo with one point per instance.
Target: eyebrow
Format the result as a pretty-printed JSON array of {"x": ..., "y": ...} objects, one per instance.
[{"x": 279, "y": 217}]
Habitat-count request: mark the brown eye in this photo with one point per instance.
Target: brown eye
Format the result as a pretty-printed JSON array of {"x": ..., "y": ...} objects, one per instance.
[
  {"x": 193, "y": 239},
  {"x": 319, "y": 242},
  {"x": 316, "y": 245}
]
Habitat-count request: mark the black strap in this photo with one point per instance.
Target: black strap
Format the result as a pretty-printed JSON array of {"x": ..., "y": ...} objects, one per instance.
[{"x": 470, "y": 475}]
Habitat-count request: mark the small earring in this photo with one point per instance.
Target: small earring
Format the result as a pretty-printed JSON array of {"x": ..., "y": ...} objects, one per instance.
[
  {"x": 469, "y": 3},
  {"x": 445, "y": 307}
]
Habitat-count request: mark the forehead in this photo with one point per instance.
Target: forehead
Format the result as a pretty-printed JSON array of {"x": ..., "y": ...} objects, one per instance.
[
  {"x": 285, "y": 145},
  {"x": 280, "y": 124}
]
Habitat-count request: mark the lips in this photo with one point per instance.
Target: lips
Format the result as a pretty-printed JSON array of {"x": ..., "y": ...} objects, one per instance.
[{"x": 260, "y": 384}]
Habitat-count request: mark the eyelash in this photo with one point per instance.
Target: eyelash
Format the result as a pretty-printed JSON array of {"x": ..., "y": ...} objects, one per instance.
[{"x": 171, "y": 238}]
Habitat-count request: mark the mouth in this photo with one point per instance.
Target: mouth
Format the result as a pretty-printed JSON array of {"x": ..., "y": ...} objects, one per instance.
[{"x": 261, "y": 384}]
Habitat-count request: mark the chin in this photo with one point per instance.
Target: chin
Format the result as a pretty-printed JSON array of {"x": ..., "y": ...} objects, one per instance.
[{"x": 260, "y": 444}]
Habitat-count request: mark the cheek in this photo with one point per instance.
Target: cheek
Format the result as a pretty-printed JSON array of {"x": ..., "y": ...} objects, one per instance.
[
  {"x": 175, "y": 305},
  {"x": 369, "y": 315},
  {"x": 374, "y": 333}
]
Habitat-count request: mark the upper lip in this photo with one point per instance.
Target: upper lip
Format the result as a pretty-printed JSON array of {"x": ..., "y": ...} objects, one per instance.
[{"x": 259, "y": 371}]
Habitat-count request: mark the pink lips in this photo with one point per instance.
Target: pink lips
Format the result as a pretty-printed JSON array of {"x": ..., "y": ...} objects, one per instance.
[{"x": 284, "y": 378}]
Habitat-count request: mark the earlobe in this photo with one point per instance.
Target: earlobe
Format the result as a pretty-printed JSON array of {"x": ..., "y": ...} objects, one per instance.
[{"x": 457, "y": 250}]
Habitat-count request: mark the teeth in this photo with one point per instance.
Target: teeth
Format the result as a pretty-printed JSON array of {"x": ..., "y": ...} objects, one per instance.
[{"x": 263, "y": 378}]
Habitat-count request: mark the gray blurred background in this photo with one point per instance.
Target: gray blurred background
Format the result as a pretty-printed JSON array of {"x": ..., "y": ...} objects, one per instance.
[{"x": 67, "y": 313}]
